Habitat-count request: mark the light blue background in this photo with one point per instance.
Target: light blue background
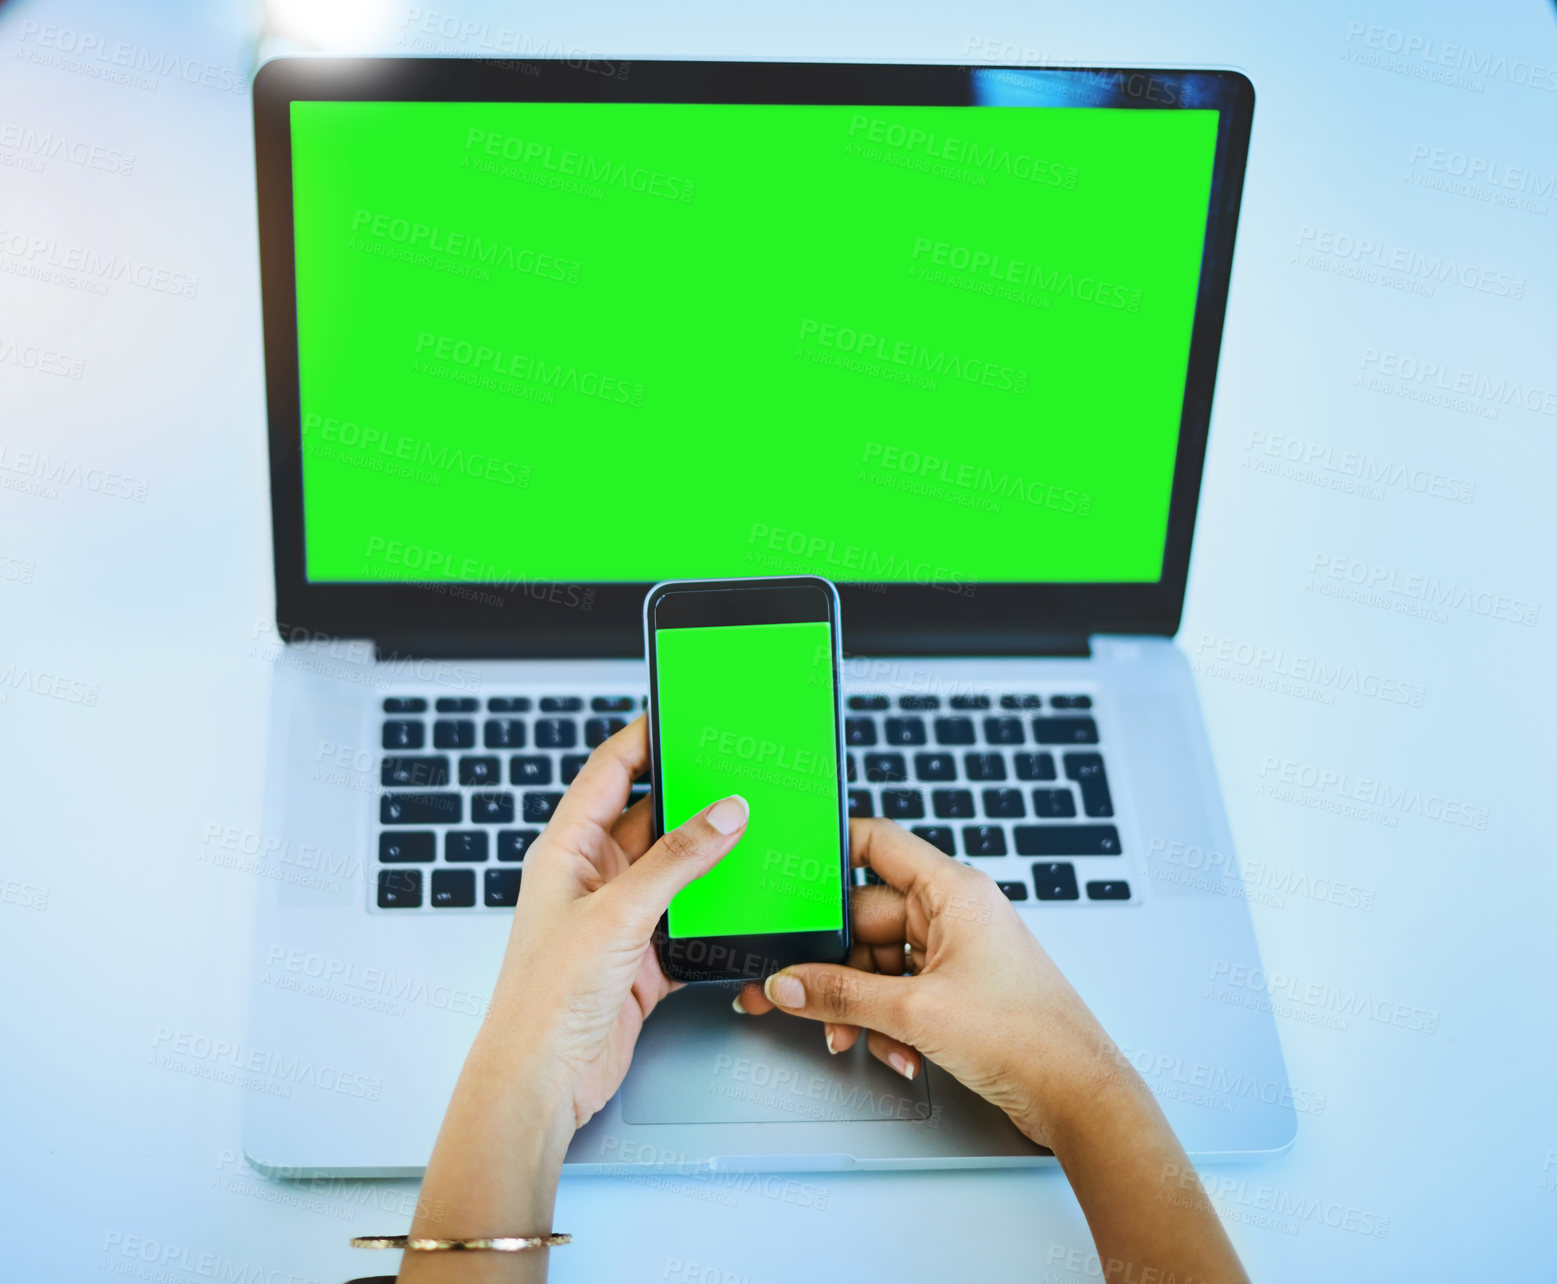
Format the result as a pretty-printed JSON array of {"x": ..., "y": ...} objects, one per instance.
[{"x": 160, "y": 608}]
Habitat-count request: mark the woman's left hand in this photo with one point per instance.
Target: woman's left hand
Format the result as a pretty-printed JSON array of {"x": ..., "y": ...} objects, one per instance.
[{"x": 580, "y": 975}]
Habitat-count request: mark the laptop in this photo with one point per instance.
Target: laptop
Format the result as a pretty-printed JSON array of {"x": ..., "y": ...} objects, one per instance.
[{"x": 537, "y": 336}]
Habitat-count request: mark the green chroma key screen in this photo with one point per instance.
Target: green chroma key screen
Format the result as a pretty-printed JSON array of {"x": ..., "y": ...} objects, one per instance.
[
  {"x": 880, "y": 344},
  {"x": 780, "y": 753}
]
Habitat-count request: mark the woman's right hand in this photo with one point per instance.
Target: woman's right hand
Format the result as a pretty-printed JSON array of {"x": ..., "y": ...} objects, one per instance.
[{"x": 973, "y": 990}]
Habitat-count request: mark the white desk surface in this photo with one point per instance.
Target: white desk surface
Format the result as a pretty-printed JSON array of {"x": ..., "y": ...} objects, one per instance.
[{"x": 1443, "y": 1143}]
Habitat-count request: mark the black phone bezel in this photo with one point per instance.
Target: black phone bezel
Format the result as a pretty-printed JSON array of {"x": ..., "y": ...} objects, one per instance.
[
  {"x": 749, "y": 957},
  {"x": 599, "y": 620}
]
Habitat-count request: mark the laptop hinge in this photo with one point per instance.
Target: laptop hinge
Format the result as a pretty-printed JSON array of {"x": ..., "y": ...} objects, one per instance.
[{"x": 862, "y": 643}]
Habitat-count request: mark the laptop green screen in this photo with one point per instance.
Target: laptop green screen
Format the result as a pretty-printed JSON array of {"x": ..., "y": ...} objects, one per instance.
[{"x": 582, "y": 342}]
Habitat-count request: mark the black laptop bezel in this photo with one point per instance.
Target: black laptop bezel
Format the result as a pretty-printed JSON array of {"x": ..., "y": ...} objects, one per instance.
[{"x": 605, "y": 619}]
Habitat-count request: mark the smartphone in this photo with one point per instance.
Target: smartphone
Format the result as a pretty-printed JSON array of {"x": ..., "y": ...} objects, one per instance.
[{"x": 744, "y": 698}]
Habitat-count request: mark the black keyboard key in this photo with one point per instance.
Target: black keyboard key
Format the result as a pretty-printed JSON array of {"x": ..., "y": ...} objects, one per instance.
[
  {"x": 905, "y": 731},
  {"x": 404, "y": 704},
  {"x": 457, "y": 704},
  {"x": 952, "y": 804},
  {"x": 919, "y": 702},
  {"x": 481, "y": 771},
  {"x": 572, "y": 764},
  {"x": 938, "y": 836},
  {"x": 612, "y": 704},
  {"x": 529, "y": 769},
  {"x": 397, "y": 848},
  {"x": 416, "y": 773},
  {"x": 420, "y": 809},
  {"x": 1020, "y": 702},
  {"x": 512, "y": 844},
  {"x": 1004, "y": 804},
  {"x": 461, "y": 845},
  {"x": 1086, "y": 769},
  {"x": 399, "y": 888},
  {"x": 509, "y": 704},
  {"x": 492, "y": 809},
  {"x": 1067, "y": 840},
  {"x": 1065, "y": 731},
  {"x": 538, "y": 807},
  {"x": 453, "y": 888},
  {"x": 1112, "y": 889},
  {"x": 859, "y": 732},
  {"x": 1034, "y": 766},
  {"x": 598, "y": 730},
  {"x": 983, "y": 840},
  {"x": 454, "y": 733},
  {"x": 984, "y": 766},
  {"x": 1003, "y": 731},
  {"x": 873, "y": 879},
  {"x": 954, "y": 731},
  {"x": 562, "y": 704},
  {"x": 1055, "y": 881},
  {"x": 969, "y": 702},
  {"x": 1013, "y": 891},
  {"x": 1071, "y": 702},
  {"x": 854, "y": 771},
  {"x": 859, "y": 803},
  {"x": 399, "y": 734},
  {"x": 555, "y": 733},
  {"x": 502, "y": 888},
  {"x": 504, "y": 733},
  {"x": 886, "y": 768},
  {"x": 1054, "y": 804},
  {"x": 902, "y": 804},
  {"x": 935, "y": 766},
  {"x": 866, "y": 703}
]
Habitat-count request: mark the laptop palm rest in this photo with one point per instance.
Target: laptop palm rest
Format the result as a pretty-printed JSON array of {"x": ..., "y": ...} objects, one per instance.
[{"x": 699, "y": 1062}]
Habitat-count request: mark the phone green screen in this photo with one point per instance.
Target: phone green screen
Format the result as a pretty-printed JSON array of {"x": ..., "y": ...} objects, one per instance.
[{"x": 775, "y": 743}]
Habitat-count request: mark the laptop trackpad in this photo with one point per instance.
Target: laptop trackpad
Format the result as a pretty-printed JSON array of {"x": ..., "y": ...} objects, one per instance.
[{"x": 698, "y": 1062}]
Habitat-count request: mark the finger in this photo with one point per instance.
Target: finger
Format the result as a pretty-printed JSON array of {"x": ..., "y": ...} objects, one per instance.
[
  {"x": 843, "y": 995},
  {"x": 840, "y": 1036},
  {"x": 634, "y": 828},
  {"x": 751, "y": 1001},
  {"x": 879, "y": 915},
  {"x": 599, "y": 791},
  {"x": 644, "y": 889},
  {"x": 895, "y": 1053},
  {"x": 903, "y": 860}
]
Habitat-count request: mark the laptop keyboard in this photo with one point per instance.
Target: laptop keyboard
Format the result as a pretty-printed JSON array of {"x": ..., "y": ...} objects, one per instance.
[{"x": 1012, "y": 782}]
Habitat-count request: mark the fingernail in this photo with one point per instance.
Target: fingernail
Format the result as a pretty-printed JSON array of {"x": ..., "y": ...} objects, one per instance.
[
  {"x": 786, "y": 991},
  {"x": 729, "y": 814},
  {"x": 830, "y": 1047},
  {"x": 900, "y": 1062},
  {"x": 736, "y": 1004}
]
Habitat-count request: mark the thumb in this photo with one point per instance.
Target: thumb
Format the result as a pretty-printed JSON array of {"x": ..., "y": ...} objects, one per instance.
[
  {"x": 684, "y": 853},
  {"x": 844, "y": 995}
]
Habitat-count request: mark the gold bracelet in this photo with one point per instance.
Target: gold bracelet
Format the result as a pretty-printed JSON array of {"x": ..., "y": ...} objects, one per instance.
[{"x": 490, "y": 1243}]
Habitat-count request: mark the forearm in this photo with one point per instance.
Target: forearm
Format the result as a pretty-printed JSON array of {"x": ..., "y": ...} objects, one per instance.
[
  {"x": 494, "y": 1169},
  {"x": 1149, "y": 1214}
]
